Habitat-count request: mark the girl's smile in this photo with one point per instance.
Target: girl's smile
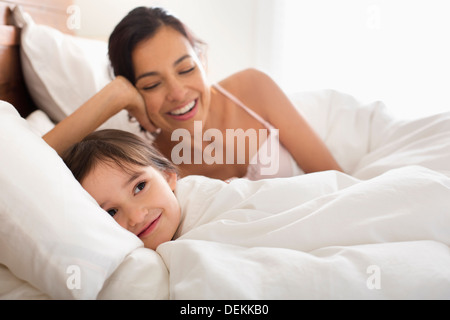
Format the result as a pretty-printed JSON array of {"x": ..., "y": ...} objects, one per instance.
[
  {"x": 140, "y": 199},
  {"x": 150, "y": 227}
]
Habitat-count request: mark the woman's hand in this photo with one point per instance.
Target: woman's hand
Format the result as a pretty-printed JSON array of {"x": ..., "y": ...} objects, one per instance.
[
  {"x": 116, "y": 96},
  {"x": 134, "y": 103}
]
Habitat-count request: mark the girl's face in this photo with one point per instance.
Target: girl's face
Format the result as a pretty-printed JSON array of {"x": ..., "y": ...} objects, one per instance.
[
  {"x": 142, "y": 200},
  {"x": 172, "y": 81}
]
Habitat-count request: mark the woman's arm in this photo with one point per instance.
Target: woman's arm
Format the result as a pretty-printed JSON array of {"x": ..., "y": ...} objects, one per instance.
[
  {"x": 296, "y": 135},
  {"x": 119, "y": 94}
]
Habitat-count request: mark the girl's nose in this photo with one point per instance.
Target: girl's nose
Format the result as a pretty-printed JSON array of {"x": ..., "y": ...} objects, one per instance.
[{"x": 135, "y": 216}]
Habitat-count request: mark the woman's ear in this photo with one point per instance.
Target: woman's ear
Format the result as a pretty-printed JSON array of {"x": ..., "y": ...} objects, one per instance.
[{"x": 171, "y": 178}]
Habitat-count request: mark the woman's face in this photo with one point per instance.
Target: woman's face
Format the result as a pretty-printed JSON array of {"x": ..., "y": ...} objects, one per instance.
[
  {"x": 141, "y": 200},
  {"x": 172, "y": 81}
]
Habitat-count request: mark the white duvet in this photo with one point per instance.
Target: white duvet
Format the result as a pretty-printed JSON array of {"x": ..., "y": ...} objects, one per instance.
[
  {"x": 380, "y": 231},
  {"x": 323, "y": 235}
]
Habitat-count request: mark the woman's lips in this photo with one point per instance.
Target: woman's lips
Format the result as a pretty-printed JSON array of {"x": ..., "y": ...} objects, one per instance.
[
  {"x": 186, "y": 112},
  {"x": 150, "y": 227}
]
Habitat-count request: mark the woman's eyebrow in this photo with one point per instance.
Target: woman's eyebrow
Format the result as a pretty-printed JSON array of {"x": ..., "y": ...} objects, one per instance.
[{"x": 154, "y": 73}]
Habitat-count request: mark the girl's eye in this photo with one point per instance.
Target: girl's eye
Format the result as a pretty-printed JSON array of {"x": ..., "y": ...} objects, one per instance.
[
  {"x": 112, "y": 212},
  {"x": 139, "y": 187}
]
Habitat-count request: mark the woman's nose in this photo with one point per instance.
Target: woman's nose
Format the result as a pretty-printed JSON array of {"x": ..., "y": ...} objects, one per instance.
[{"x": 176, "y": 90}]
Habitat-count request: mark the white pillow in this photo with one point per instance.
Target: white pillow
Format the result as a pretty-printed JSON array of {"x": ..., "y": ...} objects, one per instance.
[
  {"x": 39, "y": 122},
  {"x": 52, "y": 233},
  {"x": 63, "y": 71}
]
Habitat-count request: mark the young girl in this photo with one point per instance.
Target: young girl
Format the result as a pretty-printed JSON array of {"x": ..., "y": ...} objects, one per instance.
[{"x": 131, "y": 181}]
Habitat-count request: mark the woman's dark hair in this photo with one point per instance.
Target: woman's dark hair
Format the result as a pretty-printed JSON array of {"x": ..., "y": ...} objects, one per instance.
[
  {"x": 138, "y": 25},
  {"x": 116, "y": 147}
]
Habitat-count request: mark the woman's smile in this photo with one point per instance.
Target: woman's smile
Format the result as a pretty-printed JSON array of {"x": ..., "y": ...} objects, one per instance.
[
  {"x": 171, "y": 80},
  {"x": 185, "y": 112}
]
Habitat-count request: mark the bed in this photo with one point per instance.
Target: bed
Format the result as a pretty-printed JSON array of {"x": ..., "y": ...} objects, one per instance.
[{"x": 379, "y": 231}]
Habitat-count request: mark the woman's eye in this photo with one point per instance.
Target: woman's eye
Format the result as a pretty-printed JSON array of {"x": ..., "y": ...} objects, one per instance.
[
  {"x": 153, "y": 86},
  {"x": 188, "y": 70},
  {"x": 139, "y": 187},
  {"x": 112, "y": 212}
]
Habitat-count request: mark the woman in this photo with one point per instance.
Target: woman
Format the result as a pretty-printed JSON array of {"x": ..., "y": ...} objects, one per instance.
[{"x": 160, "y": 80}]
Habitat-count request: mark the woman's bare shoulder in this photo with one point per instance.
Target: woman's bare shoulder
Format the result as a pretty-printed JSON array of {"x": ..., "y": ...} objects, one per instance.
[
  {"x": 250, "y": 86},
  {"x": 245, "y": 80}
]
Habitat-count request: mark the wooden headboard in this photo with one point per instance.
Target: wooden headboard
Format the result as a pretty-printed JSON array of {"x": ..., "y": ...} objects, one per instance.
[{"x": 12, "y": 85}]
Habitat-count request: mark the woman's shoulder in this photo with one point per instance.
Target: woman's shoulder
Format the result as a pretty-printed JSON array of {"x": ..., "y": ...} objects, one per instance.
[
  {"x": 245, "y": 79},
  {"x": 250, "y": 86}
]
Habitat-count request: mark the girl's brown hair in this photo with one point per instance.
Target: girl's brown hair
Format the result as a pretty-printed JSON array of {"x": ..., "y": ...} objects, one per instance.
[
  {"x": 117, "y": 147},
  {"x": 138, "y": 25}
]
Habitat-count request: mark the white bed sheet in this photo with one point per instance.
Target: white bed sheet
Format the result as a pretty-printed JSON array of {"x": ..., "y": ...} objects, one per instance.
[{"x": 381, "y": 231}]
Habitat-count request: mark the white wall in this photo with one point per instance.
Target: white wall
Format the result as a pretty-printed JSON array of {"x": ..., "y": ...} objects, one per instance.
[{"x": 396, "y": 51}]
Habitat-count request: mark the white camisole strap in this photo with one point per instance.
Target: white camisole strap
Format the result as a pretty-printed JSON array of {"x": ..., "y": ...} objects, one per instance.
[
  {"x": 287, "y": 166},
  {"x": 243, "y": 106}
]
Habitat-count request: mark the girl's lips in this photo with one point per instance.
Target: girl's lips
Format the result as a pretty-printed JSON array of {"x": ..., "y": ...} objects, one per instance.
[
  {"x": 188, "y": 114},
  {"x": 150, "y": 227}
]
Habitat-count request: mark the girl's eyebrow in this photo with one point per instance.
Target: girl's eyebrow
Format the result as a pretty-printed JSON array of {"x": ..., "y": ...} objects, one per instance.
[
  {"x": 154, "y": 73},
  {"x": 133, "y": 177}
]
